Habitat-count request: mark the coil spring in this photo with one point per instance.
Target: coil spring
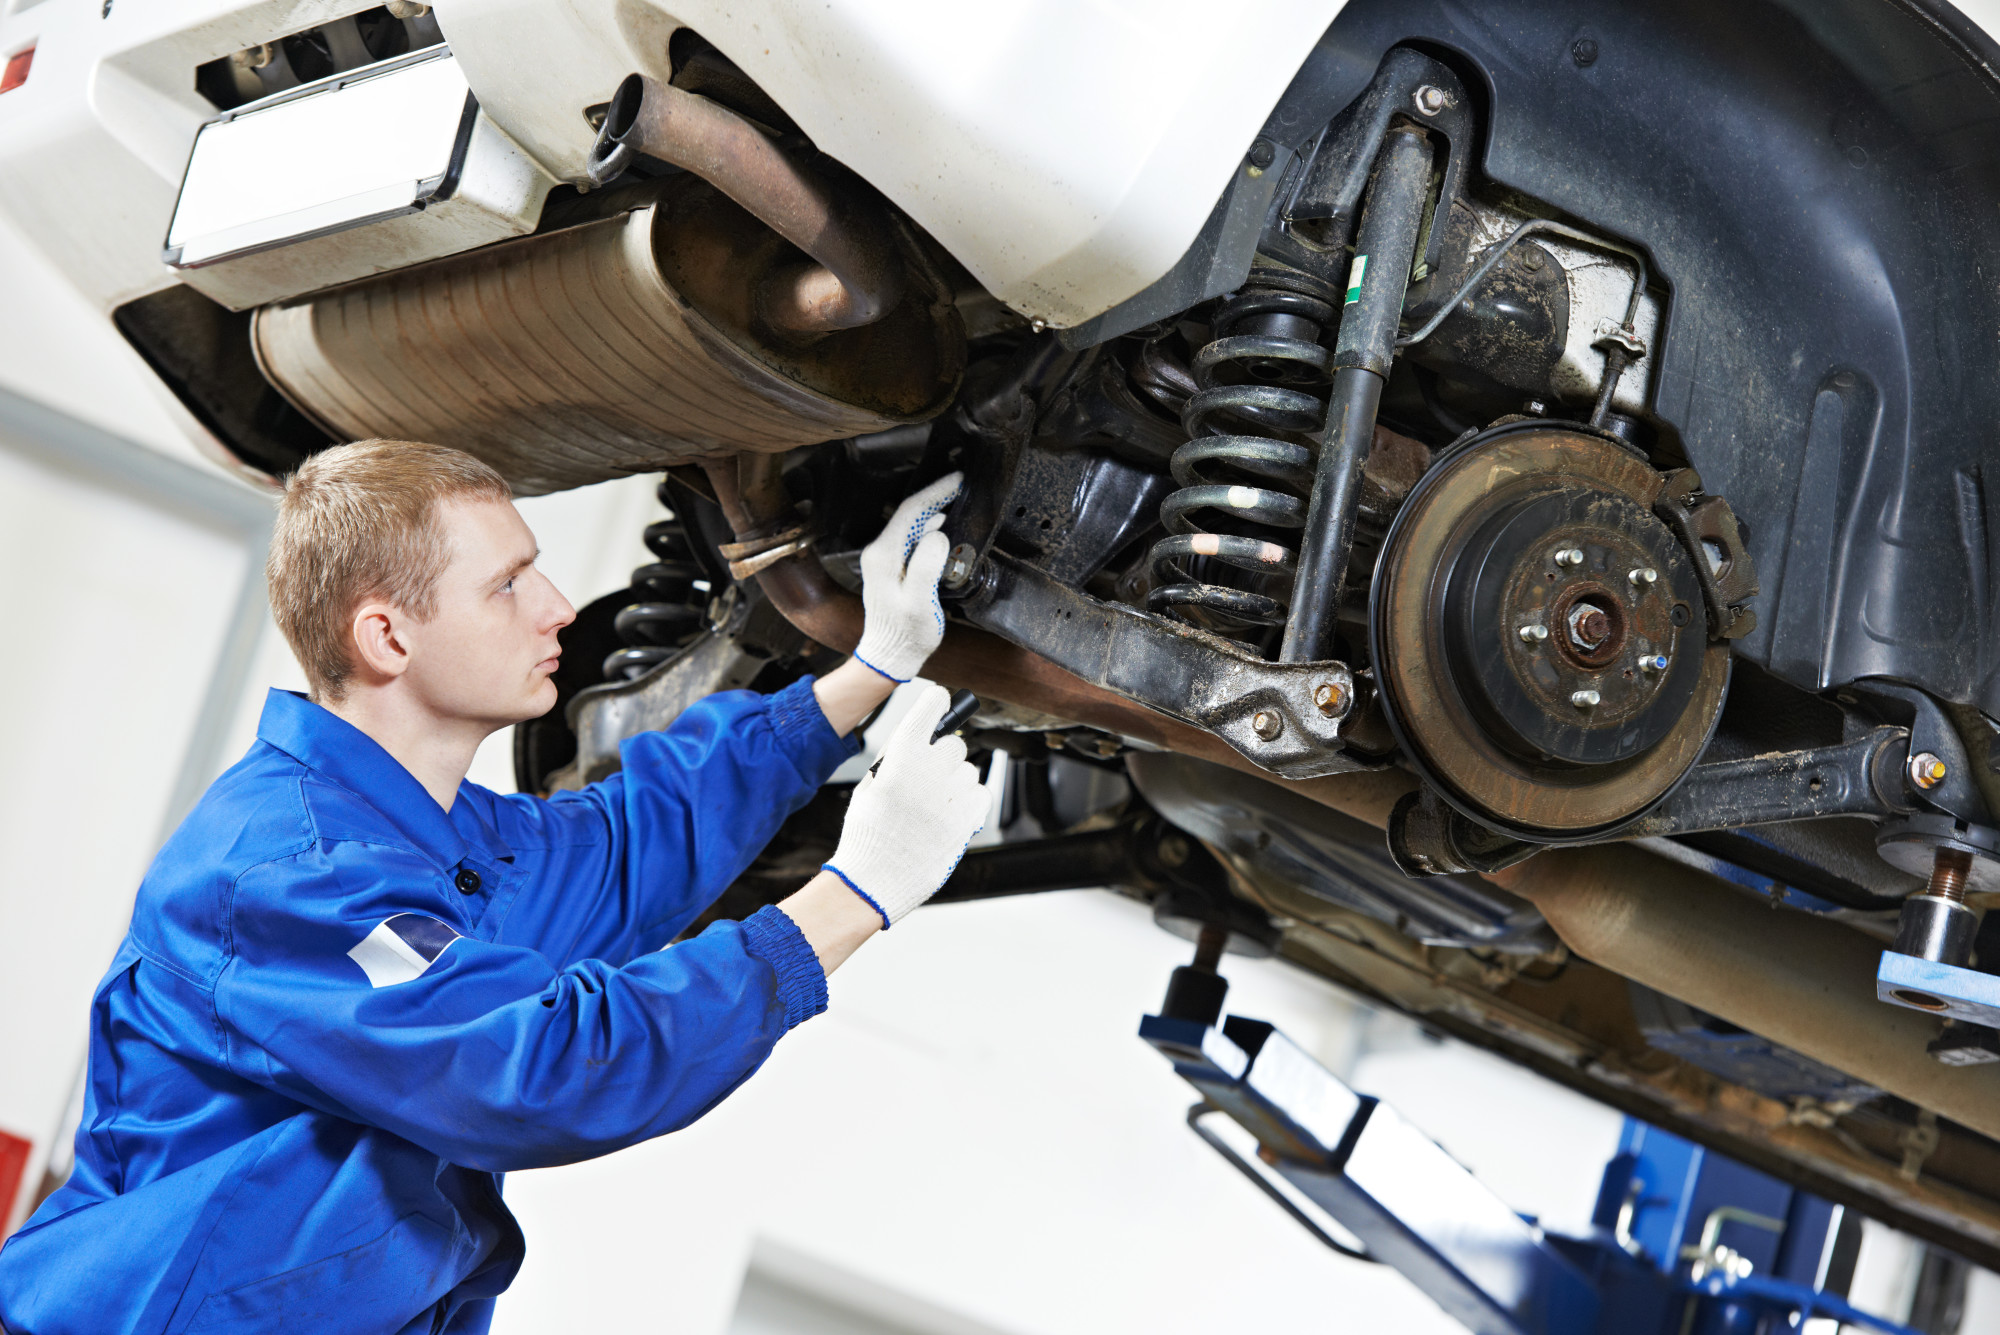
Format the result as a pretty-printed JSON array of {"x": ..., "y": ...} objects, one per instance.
[
  {"x": 673, "y": 602},
  {"x": 1254, "y": 486}
]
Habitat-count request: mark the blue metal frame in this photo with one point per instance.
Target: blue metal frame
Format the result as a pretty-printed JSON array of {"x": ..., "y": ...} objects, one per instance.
[{"x": 1685, "y": 1241}]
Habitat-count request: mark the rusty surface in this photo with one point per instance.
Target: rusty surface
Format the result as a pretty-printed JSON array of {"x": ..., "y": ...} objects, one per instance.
[
  {"x": 795, "y": 192},
  {"x": 1573, "y": 1022},
  {"x": 1471, "y": 756},
  {"x": 753, "y": 499}
]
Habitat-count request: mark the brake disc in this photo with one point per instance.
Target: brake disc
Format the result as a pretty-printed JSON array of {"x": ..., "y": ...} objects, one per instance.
[{"x": 1539, "y": 635}]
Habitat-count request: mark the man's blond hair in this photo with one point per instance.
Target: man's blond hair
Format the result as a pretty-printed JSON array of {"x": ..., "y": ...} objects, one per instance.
[{"x": 359, "y": 522}]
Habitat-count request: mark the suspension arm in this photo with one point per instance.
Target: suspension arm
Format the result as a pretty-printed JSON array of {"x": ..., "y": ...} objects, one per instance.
[{"x": 1284, "y": 716}]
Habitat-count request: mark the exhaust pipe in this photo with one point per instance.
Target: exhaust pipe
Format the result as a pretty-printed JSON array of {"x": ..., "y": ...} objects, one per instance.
[
  {"x": 787, "y": 186},
  {"x": 1805, "y": 982}
]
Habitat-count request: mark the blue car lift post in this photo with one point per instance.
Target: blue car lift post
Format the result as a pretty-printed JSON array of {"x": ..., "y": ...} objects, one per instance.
[{"x": 1684, "y": 1242}]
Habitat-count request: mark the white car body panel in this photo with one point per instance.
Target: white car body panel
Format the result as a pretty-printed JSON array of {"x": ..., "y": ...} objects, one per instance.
[{"x": 1066, "y": 153}]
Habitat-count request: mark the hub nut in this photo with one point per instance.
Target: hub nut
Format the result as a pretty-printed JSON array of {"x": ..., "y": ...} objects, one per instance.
[
  {"x": 1585, "y": 699},
  {"x": 1588, "y": 626},
  {"x": 1927, "y": 771},
  {"x": 1331, "y": 697},
  {"x": 1267, "y": 724}
]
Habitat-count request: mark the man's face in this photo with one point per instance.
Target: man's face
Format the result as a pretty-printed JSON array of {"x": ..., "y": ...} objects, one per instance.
[{"x": 489, "y": 648}]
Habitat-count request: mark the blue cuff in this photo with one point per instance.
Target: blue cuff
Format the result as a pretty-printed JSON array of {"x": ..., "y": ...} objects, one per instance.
[
  {"x": 866, "y": 898},
  {"x": 900, "y": 681},
  {"x": 800, "y": 726},
  {"x": 774, "y": 938}
]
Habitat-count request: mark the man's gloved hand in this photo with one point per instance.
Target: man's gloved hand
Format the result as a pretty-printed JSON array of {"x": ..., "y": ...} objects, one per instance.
[
  {"x": 899, "y": 582},
  {"x": 912, "y": 815}
]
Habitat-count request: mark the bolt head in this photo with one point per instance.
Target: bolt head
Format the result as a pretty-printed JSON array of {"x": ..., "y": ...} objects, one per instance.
[
  {"x": 1331, "y": 698},
  {"x": 958, "y": 566},
  {"x": 1585, "y": 699},
  {"x": 1267, "y": 724},
  {"x": 1584, "y": 52},
  {"x": 1431, "y": 100},
  {"x": 1927, "y": 771},
  {"x": 1174, "y": 850},
  {"x": 1534, "y": 634},
  {"x": 1263, "y": 153}
]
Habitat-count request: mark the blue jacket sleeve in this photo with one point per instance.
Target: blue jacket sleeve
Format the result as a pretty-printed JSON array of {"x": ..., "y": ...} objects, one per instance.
[
  {"x": 634, "y": 858},
  {"x": 483, "y": 1053}
]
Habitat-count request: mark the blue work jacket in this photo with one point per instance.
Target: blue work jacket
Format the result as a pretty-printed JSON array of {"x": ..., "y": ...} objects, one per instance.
[{"x": 341, "y": 1013}]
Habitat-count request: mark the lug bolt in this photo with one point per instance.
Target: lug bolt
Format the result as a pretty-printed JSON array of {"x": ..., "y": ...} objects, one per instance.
[
  {"x": 1570, "y": 556},
  {"x": 1534, "y": 634},
  {"x": 1646, "y": 576},
  {"x": 1653, "y": 662},
  {"x": 1927, "y": 771},
  {"x": 958, "y": 566},
  {"x": 1267, "y": 725},
  {"x": 1331, "y": 697},
  {"x": 1585, "y": 699}
]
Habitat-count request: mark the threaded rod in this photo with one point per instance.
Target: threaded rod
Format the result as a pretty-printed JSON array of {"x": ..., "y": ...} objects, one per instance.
[{"x": 1948, "y": 874}]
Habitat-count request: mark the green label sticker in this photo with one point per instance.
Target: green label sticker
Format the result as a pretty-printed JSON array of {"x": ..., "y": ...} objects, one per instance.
[{"x": 1354, "y": 277}]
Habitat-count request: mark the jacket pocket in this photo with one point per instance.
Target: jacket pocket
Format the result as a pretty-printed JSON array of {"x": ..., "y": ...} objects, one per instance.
[{"x": 374, "y": 1289}]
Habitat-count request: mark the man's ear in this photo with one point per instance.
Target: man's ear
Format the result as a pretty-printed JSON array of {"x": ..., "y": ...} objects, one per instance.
[{"x": 380, "y": 650}]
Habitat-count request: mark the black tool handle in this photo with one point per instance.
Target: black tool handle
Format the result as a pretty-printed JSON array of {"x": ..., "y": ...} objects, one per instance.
[{"x": 964, "y": 704}]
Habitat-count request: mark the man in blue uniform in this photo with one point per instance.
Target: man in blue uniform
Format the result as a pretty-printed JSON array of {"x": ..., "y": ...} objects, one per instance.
[{"x": 357, "y": 988}]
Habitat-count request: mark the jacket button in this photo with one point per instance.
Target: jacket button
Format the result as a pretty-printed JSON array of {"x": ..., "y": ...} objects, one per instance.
[{"x": 467, "y": 881}]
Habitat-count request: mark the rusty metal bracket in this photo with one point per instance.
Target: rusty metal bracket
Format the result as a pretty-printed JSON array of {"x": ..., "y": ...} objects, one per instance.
[
  {"x": 748, "y": 557},
  {"x": 1286, "y": 717},
  {"x": 1707, "y": 527}
]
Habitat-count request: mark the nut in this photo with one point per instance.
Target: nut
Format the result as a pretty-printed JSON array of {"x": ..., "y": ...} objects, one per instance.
[
  {"x": 1534, "y": 634},
  {"x": 1641, "y": 577},
  {"x": 1431, "y": 100},
  {"x": 1585, "y": 699},
  {"x": 1267, "y": 724},
  {"x": 1331, "y": 697},
  {"x": 958, "y": 566},
  {"x": 1588, "y": 626},
  {"x": 1927, "y": 771},
  {"x": 1569, "y": 556}
]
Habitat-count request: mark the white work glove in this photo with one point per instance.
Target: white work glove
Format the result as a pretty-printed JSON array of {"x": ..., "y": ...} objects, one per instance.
[
  {"x": 904, "y": 621},
  {"x": 912, "y": 815}
]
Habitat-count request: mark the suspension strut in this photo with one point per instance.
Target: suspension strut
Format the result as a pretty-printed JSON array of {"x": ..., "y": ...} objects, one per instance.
[
  {"x": 1376, "y": 286},
  {"x": 1260, "y": 372},
  {"x": 673, "y": 599}
]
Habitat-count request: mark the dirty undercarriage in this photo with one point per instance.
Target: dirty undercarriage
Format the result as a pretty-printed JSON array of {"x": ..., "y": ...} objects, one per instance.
[{"x": 1536, "y": 543}]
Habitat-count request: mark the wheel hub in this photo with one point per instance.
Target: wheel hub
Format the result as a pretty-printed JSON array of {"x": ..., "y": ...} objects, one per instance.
[{"x": 1539, "y": 635}]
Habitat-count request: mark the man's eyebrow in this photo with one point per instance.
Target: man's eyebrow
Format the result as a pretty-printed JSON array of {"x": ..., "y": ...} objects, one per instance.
[{"x": 516, "y": 568}]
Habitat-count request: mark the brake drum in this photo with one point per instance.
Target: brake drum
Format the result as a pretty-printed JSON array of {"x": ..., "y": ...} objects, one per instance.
[{"x": 1539, "y": 635}]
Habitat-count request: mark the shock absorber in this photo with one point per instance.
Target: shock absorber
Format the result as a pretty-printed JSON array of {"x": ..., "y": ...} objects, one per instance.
[
  {"x": 673, "y": 599},
  {"x": 1378, "y": 281},
  {"x": 1243, "y": 477}
]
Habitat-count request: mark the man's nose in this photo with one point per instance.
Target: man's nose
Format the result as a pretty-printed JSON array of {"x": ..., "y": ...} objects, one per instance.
[{"x": 558, "y": 612}]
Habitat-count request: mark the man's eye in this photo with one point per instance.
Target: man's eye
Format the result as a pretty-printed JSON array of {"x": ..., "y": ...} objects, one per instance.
[{"x": 508, "y": 587}]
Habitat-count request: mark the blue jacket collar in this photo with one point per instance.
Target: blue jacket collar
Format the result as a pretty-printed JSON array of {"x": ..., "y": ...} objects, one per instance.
[{"x": 338, "y": 751}]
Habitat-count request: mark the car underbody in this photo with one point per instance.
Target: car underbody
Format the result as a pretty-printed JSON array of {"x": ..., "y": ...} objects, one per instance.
[{"x": 1531, "y": 561}]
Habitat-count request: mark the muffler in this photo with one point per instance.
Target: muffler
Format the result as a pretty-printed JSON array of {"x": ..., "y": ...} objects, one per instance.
[{"x": 633, "y": 342}]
